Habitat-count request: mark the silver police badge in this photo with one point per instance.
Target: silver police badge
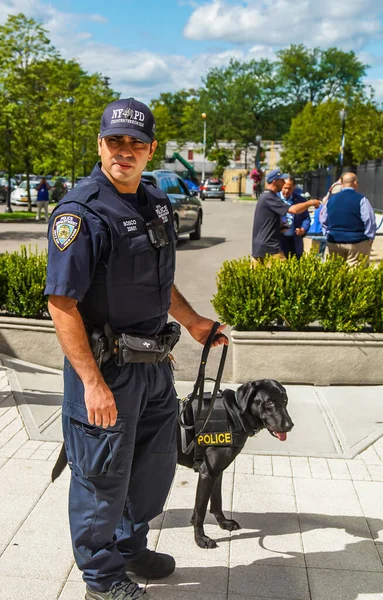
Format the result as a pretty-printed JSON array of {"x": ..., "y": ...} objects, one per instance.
[{"x": 65, "y": 229}]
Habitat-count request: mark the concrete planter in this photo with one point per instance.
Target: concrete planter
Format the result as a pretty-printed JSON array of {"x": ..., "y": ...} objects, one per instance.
[
  {"x": 32, "y": 340},
  {"x": 308, "y": 357}
]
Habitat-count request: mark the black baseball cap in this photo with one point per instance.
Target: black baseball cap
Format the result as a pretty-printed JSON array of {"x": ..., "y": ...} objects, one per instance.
[{"x": 128, "y": 117}]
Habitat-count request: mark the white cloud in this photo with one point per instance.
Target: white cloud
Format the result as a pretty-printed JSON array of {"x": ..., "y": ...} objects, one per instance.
[
  {"x": 98, "y": 18},
  {"x": 377, "y": 84},
  {"x": 281, "y": 22},
  {"x": 146, "y": 74}
]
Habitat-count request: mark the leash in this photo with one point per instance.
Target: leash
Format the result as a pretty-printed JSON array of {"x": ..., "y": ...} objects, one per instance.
[{"x": 198, "y": 390}]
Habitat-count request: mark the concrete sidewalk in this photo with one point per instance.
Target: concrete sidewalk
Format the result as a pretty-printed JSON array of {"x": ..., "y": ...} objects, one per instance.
[{"x": 311, "y": 527}]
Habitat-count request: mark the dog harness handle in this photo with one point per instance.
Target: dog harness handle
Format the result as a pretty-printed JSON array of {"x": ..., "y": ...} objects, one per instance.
[{"x": 199, "y": 387}]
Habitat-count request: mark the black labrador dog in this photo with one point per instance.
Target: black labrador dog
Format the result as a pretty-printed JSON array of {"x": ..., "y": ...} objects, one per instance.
[{"x": 254, "y": 406}]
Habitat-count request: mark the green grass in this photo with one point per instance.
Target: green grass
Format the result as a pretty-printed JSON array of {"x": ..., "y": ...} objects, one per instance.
[
  {"x": 17, "y": 214},
  {"x": 244, "y": 197}
]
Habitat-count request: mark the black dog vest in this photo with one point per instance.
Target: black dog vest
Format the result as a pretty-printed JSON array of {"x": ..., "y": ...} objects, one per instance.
[{"x": 224, "y": 427}]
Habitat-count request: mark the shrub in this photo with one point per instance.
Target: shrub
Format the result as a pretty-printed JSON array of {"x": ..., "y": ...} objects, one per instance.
[
  {"x": 23, "y": 289},
  {"x": 299, "y": 293}
]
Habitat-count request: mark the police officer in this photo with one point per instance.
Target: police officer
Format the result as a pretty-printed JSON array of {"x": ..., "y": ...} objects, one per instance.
[{"x": 111, "y": 262}]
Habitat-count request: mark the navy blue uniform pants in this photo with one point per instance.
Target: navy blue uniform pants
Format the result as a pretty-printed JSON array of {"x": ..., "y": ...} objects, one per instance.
[{"x": 120, "y": 475}]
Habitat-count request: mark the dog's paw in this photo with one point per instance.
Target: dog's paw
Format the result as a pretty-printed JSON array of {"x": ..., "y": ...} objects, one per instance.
[
  {"x": 229, "y": 525},
  {"x": 205, "y": 542}
]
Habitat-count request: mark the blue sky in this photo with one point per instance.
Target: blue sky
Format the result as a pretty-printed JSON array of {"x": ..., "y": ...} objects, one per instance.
[{"x": 151, "y": 46}]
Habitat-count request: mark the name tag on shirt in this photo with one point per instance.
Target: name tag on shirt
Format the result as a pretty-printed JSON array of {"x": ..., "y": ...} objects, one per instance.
[{"x": 131, "y": 227}]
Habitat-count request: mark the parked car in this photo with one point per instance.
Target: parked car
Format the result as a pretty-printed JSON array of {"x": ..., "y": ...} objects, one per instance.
[
  {"x": 4, "y": 188},
  {"x": 187, "y": 208},
  {"x": 19, "y": 196},
  {"x": 212, "y": 188}
]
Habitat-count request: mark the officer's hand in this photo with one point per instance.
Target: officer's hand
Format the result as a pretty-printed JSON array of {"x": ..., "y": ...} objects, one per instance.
[
  {"x": 316, "y": 203},
  {"x": 201, "y": 329},
  {"x": 300, "y": 231},
  {"x": 100, "y": 404}
]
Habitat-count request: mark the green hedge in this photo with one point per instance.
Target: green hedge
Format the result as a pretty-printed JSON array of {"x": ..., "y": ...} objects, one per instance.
[
  {"x": 22, "y": 283},
  {"x": 297, "y": 293}
]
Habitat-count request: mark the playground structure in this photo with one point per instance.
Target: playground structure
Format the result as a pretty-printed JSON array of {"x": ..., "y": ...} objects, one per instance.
[{"x": 190, "y": 171}]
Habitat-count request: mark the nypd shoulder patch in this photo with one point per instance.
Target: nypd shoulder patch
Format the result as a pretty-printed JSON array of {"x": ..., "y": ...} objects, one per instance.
[{"x": 65, "y": 229}]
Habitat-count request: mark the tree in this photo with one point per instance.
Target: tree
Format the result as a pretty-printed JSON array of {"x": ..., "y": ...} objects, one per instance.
[
  {"x": 314, "y": 75},
  {"x": 315, "y": 135},
  {"x": 73, "y": 120},
  {"x": 222, "y": 157},
  {"x": 26, "y": 57}
]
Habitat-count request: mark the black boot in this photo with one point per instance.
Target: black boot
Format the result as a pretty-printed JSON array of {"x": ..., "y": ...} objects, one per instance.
[{"x": 151, "y": 565}]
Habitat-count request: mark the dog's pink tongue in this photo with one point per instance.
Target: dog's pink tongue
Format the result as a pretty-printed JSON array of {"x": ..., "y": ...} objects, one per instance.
[{"x": 281, "y": 436}]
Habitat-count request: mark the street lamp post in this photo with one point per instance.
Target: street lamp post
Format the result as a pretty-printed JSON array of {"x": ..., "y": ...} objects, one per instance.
[
  {"x": 258, "y": 140},
  {"x": 203, "y": 115},
  {"x": 342, "y": 116}
]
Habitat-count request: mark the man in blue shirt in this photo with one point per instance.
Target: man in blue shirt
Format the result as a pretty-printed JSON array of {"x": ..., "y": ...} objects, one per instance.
[
  {"x": 348, "y": 220},
  {"x": 110, "y": 281},
  {"x": 294, "y": 226}
]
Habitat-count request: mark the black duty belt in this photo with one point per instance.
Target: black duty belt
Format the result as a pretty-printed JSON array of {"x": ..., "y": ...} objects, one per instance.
[
  {"x": 186, "y": 419},
  {"x": 129, "y": 348}
]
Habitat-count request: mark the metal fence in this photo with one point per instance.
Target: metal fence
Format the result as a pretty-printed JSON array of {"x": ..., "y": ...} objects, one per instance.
[{"x": 370, "y": 176}]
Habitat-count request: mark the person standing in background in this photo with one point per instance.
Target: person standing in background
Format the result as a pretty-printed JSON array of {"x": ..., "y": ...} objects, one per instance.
[
  {"x": 294, "y": 226},
  {"x": 43, "y": 199},
  {"x": 348, "y": 221}
]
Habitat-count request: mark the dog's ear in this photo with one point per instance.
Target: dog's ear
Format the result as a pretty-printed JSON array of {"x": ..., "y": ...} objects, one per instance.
[{"x": 246, "y": 394}]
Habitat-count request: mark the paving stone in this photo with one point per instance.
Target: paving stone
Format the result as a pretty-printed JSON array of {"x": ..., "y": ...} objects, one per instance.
[
  {"x": 31, "y": 559},
  {"x": 255, "y": 491},
  {"x": 73, "y": 590},
  {"x": 281, "y": 466},
  {"x": 5, "y": 405},
  {"x": 371, "y": 498},
  {"x": 54, "y": 456},
  {"x": 336, "y": 542},
  {"x": 17, "y": 588},
  {"x": 274, "y": 581},
  {"x": 376, "y": 472},
  {"x": 180, "y": 543},
  {"x": 370, "y": 494},
  {"x": 163, "y": 592},
  {"x": 263, "y": 465},
  {"x": 252, "y": 597},
  {"x": 327, "y": 497},
  {"x": 75, "y": 574},
  {"x": 14, "y": 427},
  {"x": 319, "y": 468},
  {"x": 300, "y": 466},
  {"x": 16, "y": 442},
  {"x": 358, "y": 470},
  {"x": 338, "y": 468},
  {"x": 370, "y": 456},
  {"x": 54, "y": 523},
  {"x": 244, "y": 464},
  {"x": 7, "y": 418},
  {"x": 192, "y": 574},
  {"x": 41, "y": 454},
  {"x": 276, "y": 539},
  {"x": 21, "y": 478},
  {"x": 328, "y": 584},
  {"x": 50, "y": 446}
]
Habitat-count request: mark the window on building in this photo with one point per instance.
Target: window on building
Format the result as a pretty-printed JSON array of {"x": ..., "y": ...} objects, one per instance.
[{"x": 190, "y": 154}]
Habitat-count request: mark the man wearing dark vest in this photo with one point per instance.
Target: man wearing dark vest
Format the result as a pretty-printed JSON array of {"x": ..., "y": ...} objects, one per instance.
[
  {"x": 110, "y": 281},
  {"x": 348, "y": 220}
]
